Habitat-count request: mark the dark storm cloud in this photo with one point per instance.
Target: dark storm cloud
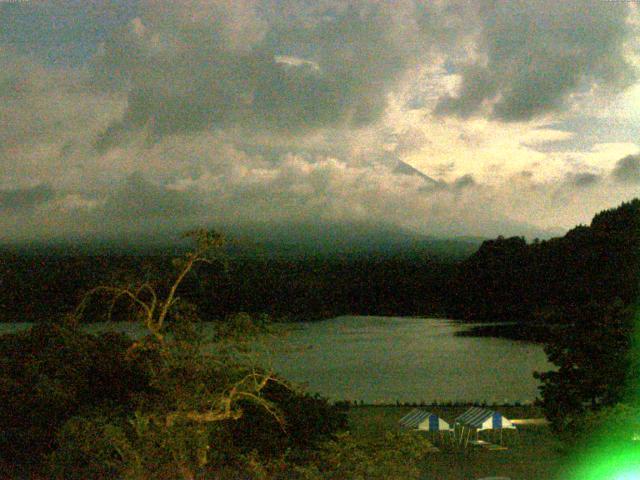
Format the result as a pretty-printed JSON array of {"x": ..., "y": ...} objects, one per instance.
[
  {"x": 533, "y": 55},
  {"x": 138, "y": 200},
  {"x": 333, "y": 66},
  {"x": 25, "y": 198},
  {"x": 627, "y": 170},
  {"x": 291, "y": 66}
]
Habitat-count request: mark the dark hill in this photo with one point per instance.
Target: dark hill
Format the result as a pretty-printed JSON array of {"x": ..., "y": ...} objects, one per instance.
[
  {"x": 294, "y": 271},
  {"x": 545, "y": 281}
]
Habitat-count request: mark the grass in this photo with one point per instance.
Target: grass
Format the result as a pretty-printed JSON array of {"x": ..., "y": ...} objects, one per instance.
[{"x": 533, "y": 452}]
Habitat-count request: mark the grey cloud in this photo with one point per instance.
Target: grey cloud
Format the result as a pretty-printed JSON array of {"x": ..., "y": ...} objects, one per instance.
[
  {"x": 186, "y": 69},
  {"x": 25, "y": 198},
  {"x": 533, "y": 55},
  {"x": 134, "y": 208},
  {"x": 588, "y": 131},
  {"x": 138, "y": 200},
  {"x": 583, "y": 179},
  {"x": 627, "y": 170},
  {"x": 42, "y": 109},
  {"x": 409, "y": 141},
  {"x": 237, "y": 134},
  {"x": 446, "y": 22},
  {"x": 244, "y": 189},
  {"x": 183, "y": 78},
  {"x": 477, "y": 86},
  {"x": 61, "y": 32},
  {"x": 443, "y": 169}
]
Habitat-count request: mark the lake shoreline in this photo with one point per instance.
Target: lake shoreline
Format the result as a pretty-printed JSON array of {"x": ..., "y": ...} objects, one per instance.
[{"x": 519, "y": 332}]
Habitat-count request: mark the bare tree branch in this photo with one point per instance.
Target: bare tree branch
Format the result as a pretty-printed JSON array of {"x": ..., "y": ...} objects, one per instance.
[
  {"x": 153, "y": 320},
  {"x": 226, "y": 409}
]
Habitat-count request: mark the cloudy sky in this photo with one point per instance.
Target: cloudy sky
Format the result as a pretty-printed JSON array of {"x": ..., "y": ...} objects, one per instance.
[{"x": 443, "y": 117}]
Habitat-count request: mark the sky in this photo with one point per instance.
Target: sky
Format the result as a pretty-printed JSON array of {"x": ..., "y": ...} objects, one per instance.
[{"x": 444, "y": 118}]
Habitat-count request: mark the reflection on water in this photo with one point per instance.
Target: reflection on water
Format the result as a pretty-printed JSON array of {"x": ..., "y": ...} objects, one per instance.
[{"x": 384, "y": 359}]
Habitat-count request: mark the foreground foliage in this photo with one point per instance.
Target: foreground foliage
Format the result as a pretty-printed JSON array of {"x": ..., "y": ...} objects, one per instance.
[
  {"x": 593, "y": 356},
  {"x": 395, "y": 456},
  {"x": 52, "y": 372},
  {"x": 76, "y": 405}
]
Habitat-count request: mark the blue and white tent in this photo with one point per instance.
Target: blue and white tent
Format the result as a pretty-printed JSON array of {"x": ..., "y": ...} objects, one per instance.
[
  {"x": 420, "y": 420},
  {"x": 483, "y": 419}
]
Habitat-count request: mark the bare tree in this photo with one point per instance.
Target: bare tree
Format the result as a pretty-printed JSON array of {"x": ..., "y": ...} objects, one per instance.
[
  {"x": 215, "y": 402},
  {"x": 143, "y": 295}
]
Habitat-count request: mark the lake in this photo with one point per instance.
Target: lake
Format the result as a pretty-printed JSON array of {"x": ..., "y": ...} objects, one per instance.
[
  {"x": 389, "y": 359},
  {"x": 384, "y": 359}
]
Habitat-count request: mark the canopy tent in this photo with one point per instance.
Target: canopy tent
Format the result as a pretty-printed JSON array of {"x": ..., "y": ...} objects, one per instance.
[
  {"x": 483, "y": 419},
  {"x": 479, "y": 419},
  {"x": 420, "y": 420}
]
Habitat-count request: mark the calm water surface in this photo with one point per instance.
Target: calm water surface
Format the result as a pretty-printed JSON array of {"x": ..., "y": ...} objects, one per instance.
[{"x": 384, "y": 359}]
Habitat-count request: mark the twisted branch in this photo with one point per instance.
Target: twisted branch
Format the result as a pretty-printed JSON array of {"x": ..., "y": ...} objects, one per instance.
[{"x": 226, "y": 410}]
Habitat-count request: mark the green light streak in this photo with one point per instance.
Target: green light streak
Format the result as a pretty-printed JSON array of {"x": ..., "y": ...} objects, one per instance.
[
  {"x": 611, "y": 462},
  {"x": 628, "y": 476}
]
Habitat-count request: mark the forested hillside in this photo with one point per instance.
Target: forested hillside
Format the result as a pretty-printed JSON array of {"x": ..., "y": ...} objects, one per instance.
[
  {"x": 506, "y": 279},
  {"x": 36, "y": 287},
  {"x": 547, "y": 281}
]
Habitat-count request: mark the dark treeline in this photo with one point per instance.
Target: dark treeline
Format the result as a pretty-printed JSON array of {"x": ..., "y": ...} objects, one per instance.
[
  {"x": 551, "y": 281},
  {"x": 321, "y": 288},
  {"x": 506, "y": 279},
  {"x": 38, "y": 286}
]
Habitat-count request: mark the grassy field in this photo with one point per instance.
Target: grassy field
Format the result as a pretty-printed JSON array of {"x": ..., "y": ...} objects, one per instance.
[{"x": 532, "y": 454}]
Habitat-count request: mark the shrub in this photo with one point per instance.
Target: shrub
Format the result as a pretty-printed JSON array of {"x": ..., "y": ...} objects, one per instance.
[
  {"x": 393, "y": 456},
  {"x": 616, "y": 424},
  {"x": 88, "y": 447},
  {"x": 48, "y": 373},
  {"x": 307, "y": 420}
]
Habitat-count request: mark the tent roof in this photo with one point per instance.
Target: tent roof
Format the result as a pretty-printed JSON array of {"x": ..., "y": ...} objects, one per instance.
[
  {"x": 483, "y": 419},
  {"x": 416, "y": 417}
]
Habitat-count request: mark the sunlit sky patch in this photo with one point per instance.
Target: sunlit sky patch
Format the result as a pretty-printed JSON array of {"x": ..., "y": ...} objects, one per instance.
[{"x": 447, "y": 117}]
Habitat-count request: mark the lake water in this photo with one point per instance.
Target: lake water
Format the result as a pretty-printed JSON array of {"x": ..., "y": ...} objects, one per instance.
[{"x": 385, "y": 359}]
